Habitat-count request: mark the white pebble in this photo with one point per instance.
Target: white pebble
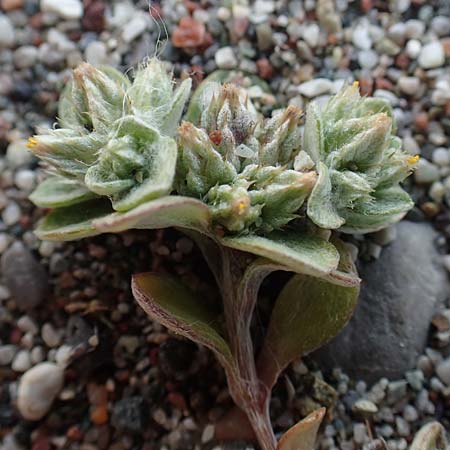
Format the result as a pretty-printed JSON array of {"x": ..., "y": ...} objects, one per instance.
[
  {"x": 225, "y": 58},
  {"x": 67, "y": 9},
  {"x": 361, "y": 38},
  {"x": 50, "y": 336},
  {"x": 437, "y": 192},
  {"x": 5, "y": 240},
  {"x": 27, "y": 325},
  {"x": 38, "y": 388},
  {"x": 441, "y": 156},
  {"x": 359, "y": 433},
  {"x": 7, "y": 33},
  {"x": 432, "y": 56},
  {"x": 208, "y": 433},
  {"x": 134, "y": 28},
  {"x": 409, "y": 85},
  {"x": 37, "y": 354},
  {"x": 443, "y": 371},
  {"x": 367, "y": 59},
  {"x": 426, "y": 173},
  {"x": 46, "y": 248},
  {"x": 311, "y": 35},
  {"x": 25, "y": 179},
  {"x": 7, "y": 353},
  {"x": 22, "y": 361},
  {"x": 96, "y": 53},
  {"x": 413, "y": 47},
  {"x": 17, "y": 153},
  {"x": 11, "y": 214},
  {"x": 63, "y": 355},
  {"x": 316, "y": 87}
]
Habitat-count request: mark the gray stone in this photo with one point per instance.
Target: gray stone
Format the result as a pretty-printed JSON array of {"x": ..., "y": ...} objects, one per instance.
[
  {"x": 400, "y": 293},
  {"x": 24, "y": 276},
  {"x": 7, "y": 33}
]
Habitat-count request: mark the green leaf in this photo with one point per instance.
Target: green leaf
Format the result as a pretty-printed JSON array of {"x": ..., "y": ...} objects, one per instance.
[
  {"x": 173, "y": 305},
  {"x": 169, "y": 211},
  {"x": 346, "y": 274},
  {"x": 73, "y": 222},
  {"x": 307, "y": 314},
  {"x": 313, "y": 141},
  {"x": 302, "y": 436},
  {"x": 388, "y": 207},
  {"x": 305, "y": 254},
  {"x": 56, "y": 192},
  {"x": 321, "y": 209},
  {"x": 432, "y": 436}
]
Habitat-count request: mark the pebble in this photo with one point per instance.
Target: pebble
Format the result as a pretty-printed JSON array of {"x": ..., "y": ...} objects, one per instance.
[
  {"x": 367, "y": 59},
  {"x": 130, "y": 414},
  {"x": 67, "y": 9},
  {"x": 38, "y": 387},
  {"x": 225, "y": 58},
  {"x": 96, "y": 53},
  {"x": 50, "y": 336},
  {"x": 413, "y": 48},
  {"x": 316, "y": 87},
  {"x": 27, "y": 325},
  {"x": 22, "y": 361},
  {"x": 441, "y": 156},
  {"x": 134, "y": 28},
  {"x": 432, "y": 55},
  {"x": 426, "y": 173},
  {"x": 208, "y": 433},
  {"x": 360, "y": 433},
  {"x": 17, "y": 153},
  {"x": 24, "y": 276},
  {"x": 7, "y": 353},
  {"x": 410, "y": 413},
  {"x": 25, "y": 180},
  {"x": 7, "y": 33},
  {"x": 25, "y": 56},
  {"x": 441, "y": 25},
  {"x": 409, "y": 85},
  {"x": 11, "y": 214},
  {"x": 365, "y": 406},
  {"x": 443, "y": 371},
  {"x": 361, "y": 38}
]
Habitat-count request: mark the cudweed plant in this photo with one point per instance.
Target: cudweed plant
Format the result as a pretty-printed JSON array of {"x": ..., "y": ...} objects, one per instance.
[{"x": 257, "y": 195}]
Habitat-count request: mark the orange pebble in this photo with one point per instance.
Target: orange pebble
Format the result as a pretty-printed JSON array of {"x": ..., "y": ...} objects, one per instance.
[{"x": 99, "y": 415}]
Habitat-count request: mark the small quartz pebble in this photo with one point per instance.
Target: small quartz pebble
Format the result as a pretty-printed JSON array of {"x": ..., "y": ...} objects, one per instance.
[
  {"x": 38, "y": 388},
  {"x": 409, "y": 85},
  {"x": 50, "y": 336},
  {"x": 365, "y": 407},
  {"x": 7, "y": 33},
  {"x": 443, "y": 371},
  {"x": 316, "y": 87},
  {"x": 22, "y": 361},
  {"x": 432, "y": 55},
  {"x": 67, "y": 9},
  {"x": 426, "y": 173},
  {"x": 7, "y": 353},
  {"x": 225, "y": 58},
  {"x": 208, "y": 433}
]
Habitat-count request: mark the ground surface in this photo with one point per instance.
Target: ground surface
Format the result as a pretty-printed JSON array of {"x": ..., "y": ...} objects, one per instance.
[{"x": 130, "y": 385}]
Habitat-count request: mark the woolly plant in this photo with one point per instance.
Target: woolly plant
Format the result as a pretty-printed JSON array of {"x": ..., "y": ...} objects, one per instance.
[{"x": 256, "y": 194}]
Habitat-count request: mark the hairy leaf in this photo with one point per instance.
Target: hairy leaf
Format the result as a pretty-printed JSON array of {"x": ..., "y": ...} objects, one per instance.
[
  {"x": 172, "y": 304},
  {"x": 169, "y": 211},
  {"x": 56, "y": 192},
  {"x": 305, "y": 254},
  {"x": 73, "y": 222},
  {"x": 302, "y": 436}
]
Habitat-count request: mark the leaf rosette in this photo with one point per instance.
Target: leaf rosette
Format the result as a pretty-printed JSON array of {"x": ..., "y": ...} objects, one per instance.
[{"x": 360, "y": 164}]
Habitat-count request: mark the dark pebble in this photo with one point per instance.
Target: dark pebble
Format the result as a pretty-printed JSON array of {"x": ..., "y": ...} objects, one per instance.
[
  {"x": 131, "y": 414},
  {"x": 24, "y": 276},
  {"x": 176, "y": 358}
]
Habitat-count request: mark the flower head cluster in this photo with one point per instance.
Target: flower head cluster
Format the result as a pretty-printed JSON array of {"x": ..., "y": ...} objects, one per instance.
[
  {"x": 115, "y": 137},
  {"x": 124, "y": 141},
  {"x": 359, "y": 162}
]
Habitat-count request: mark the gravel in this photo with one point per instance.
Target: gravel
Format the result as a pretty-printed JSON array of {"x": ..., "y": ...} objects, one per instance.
[{"x": 88, "y": 323}]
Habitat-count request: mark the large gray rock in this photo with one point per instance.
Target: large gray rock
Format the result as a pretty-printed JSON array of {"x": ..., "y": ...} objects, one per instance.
[
  {"x": 400, "y": 293},
  {"x": 25, "y": 277}
]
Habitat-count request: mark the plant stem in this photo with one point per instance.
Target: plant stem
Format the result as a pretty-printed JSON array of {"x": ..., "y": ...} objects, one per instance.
[{"x": 240, "y": 283}]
